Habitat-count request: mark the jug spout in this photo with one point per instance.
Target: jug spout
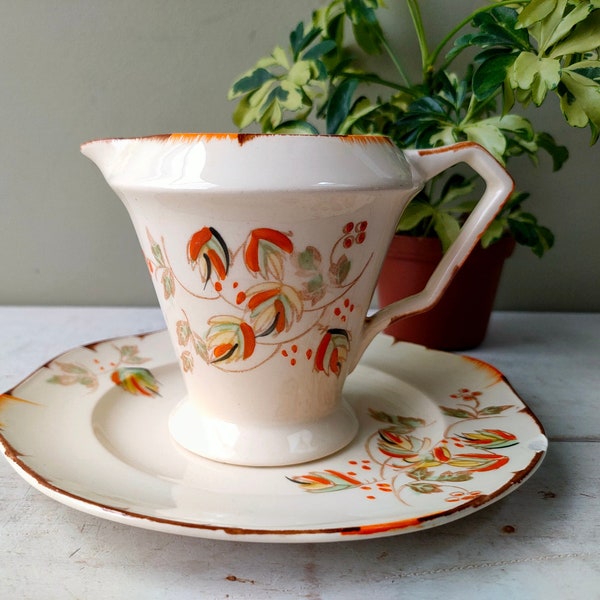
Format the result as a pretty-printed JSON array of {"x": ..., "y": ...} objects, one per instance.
[{"x": 105, "y": 154}]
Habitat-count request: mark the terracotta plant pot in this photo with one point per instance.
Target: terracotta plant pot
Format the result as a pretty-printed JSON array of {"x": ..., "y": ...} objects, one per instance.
[{"x": 459, "y": 320}]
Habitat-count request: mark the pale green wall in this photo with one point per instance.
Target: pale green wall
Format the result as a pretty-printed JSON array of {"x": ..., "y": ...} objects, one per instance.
[{"x": 71, "y": 70}]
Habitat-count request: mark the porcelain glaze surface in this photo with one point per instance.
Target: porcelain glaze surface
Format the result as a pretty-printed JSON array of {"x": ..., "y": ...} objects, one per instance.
[
  {"x": 440, "y": 436},
  {"x": 264, "y": 251}
]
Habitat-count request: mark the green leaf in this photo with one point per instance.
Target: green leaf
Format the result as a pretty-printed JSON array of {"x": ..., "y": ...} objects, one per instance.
[
  {"x": 368, "y": 37},
  {"x": 365, "y": 26},
  {"x": 535, "y": 74},
  {"x": 526, "y": 231},
  {"x": 447, "y": 228},
  {"x": 413, "y": 214},
  {"x": 486, "y": 133},
  {"x": 319, "y": 50},
  {"x": 494, "y": 232},
  {"x": 535, "y": 11},
  {"x": 587, "y": 68},
  {"x": 244, "y": 114},
  {"x": 585, "y": 37},
  {"x": 299, "y": 41},
  {"x": 339, "y": 104},
  {"x": 585, "y": 94},
  {"x": 296, "y": 127},
  {"x": 490, "y": 75},
  {"x": 296, "y": 37},
  {"x": 461, "y": 43},
  {"x": 360, "y": 109},
  {"x": 300, "y": 73},
  {"x": 456, "y": 187},
  {"x": 498, "y": 27},
  {"x": 579, "y": 13},
  {"x": 247, "y": 83},
  {"x": 559, "y": 154}
]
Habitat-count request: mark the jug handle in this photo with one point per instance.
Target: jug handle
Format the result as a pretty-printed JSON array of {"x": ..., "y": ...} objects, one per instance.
[{"x": 425, "y": 164}]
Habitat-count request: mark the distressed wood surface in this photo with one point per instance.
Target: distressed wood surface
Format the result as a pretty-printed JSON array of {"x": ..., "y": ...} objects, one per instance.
[{"x": 539, "y": 542}]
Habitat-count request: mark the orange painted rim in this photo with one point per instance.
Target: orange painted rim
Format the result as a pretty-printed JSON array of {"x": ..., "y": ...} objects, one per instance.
[{"x": 242, "y": 138}]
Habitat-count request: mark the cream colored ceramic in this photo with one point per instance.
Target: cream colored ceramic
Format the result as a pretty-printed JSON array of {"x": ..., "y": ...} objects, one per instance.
[
  {"x": 264, "y": 251},
  {"x": 440, "y": 436}
]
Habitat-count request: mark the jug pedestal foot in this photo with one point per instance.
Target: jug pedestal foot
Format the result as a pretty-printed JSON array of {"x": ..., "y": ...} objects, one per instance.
[{"x": 259, "y": 445}]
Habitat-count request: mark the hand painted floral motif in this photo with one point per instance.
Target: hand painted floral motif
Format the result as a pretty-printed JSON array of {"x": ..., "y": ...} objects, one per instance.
[
  {"x": 208, "y": 251},
  {"x": 124, "y": 371},
  {"x": 332, "y": 351},
  {"x": 229, "y": 339},
  {"x": 274, "y": 307},
  {"x": 136, "y": 381},
  {"x": 265, "y": 250},
  {"x": 406, "y": 461},
  {"x": 296, "y": 282},
  {"x": 159, "y": 267}
]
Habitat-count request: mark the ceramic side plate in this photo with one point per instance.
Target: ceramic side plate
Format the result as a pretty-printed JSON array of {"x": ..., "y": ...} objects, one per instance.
[{"x": 440, "y": 436}]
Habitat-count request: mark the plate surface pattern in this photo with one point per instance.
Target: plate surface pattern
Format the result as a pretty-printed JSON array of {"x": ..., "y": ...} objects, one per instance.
[{"x": 440, "y": 436}]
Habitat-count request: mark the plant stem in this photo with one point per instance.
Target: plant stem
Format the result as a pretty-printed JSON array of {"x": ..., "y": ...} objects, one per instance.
[
  {"x": 475, "y": 108},
  {"x": 372, "y": 78},
  {"x": 396, "y": 63},
  {"x": 415, "y": 14}
]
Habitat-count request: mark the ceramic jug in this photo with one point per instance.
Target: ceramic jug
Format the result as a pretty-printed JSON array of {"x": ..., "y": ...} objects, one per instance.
[{"x": 265, "y": 251}]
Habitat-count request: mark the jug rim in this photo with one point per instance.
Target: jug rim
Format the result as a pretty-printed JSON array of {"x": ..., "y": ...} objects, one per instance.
[{"x": 242, "y": 138}]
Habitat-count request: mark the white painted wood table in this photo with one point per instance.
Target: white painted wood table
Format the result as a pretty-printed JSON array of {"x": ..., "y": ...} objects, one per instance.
[{"x": 541, "y": 541}]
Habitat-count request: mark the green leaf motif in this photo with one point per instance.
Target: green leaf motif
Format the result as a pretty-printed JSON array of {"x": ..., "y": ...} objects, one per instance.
[
  {"x": 130, "y": 355},
  {"x": 425, "y": 488},
  {"x": 158, "y": 254},
  {"x": 168, "y": 284},
  {"x": 401, "y": 424},
  {"x": 71, "y": 368},
  {"x": 309, "y": 259},
  {"x": 457, "y": 413},
  {"x": 340, "y": 270},
  {"x": 454, "y": 476},
  {"x": 184, "y": 332},
  {"x": 495, "y": 410}
]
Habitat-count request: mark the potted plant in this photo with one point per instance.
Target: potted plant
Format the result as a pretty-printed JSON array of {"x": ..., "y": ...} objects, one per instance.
[{"x": 518, "y": 52}]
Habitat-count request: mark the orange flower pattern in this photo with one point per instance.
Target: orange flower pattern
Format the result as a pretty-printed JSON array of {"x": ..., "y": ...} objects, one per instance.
[
  {"x": 332, "y": 351},
  {"x": 292, "y": 282},
  {"x": 408, "y": 462},
  {"x": 136, "y": 381},
  {"x": 265, "y": 250},
  {"x": 124, "y": 371},
  {"x": 207, "y": 250}
]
